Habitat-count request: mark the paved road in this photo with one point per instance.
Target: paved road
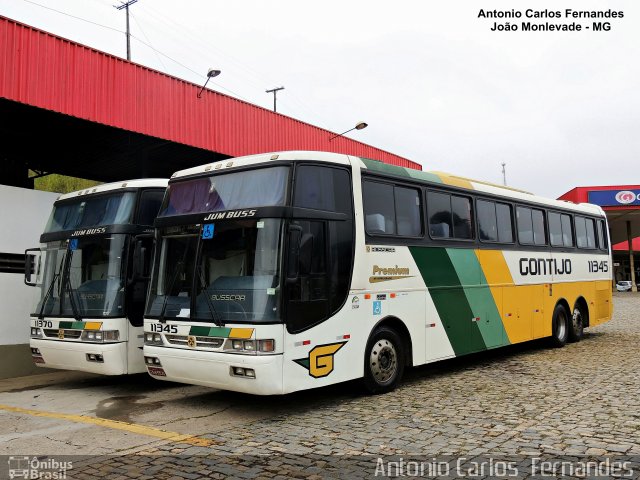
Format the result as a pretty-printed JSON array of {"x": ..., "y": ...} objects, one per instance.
[{"x": 517, "y": 402}]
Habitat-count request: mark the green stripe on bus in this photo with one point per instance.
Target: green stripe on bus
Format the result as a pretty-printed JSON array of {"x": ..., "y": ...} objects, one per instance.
[
  {"x": 449, "y": 298},
  {"x": 420, "y": 175},
  {"x": 202, "y": 331},
  {"x": 71, "y": 325},
  {"x": 377, "y": 166},
  {"x": 479, "y": 296}
]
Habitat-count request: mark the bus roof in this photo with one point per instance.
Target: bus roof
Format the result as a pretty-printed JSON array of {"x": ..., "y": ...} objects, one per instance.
[
  {"x": 105, "y": 187},
  {"x": 385, "y": 168}
]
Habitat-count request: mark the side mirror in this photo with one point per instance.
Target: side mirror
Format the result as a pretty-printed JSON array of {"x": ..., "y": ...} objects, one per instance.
[
  {"x": 140, "y": 263},
  {"x": 293, "y": 257},
  {"x": 29, "y": 265}
]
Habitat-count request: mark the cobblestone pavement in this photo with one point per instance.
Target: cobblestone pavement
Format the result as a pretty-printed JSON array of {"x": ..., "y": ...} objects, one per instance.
[{"x": 521, "y": 401}]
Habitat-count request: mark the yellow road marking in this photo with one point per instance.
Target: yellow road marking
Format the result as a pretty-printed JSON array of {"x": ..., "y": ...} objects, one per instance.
[{"x": 117, "y": 425}]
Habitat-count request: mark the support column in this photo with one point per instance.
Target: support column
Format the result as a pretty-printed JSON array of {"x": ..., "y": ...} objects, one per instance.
[{"x": 632, "y": 265}]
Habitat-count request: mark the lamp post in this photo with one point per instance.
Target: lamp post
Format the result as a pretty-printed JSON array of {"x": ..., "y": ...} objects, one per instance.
[
  {"x": 210, "y": 74},
  {"x": 359, "y": 126}
]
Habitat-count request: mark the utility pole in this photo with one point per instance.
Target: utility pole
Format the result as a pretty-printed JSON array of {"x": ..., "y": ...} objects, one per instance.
[
  {"x": 504, "y": 174},
  {"x": 126, "y": 5},
  {"x": 274, "y": 91}
]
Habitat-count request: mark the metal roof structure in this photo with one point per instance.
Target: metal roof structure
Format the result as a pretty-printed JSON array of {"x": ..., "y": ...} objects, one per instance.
[{"x": 71, "y": 109}]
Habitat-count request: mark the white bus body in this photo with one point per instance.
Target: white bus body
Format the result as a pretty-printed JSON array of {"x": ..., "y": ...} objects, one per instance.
[
  {"x": 90, "y": 270},
  {"x": 282, "y": 272}
]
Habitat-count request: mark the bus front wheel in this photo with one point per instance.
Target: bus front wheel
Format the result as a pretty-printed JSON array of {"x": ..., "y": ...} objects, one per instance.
[
  {"x": 384, "y": 361},
  {"x": 560, "y": 327}
]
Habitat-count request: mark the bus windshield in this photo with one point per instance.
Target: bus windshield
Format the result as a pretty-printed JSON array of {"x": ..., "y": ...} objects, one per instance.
[
  {"x": 91, "y": 211},
  {"x": 232, "y": 277},
  {"x": 264, "y": 187},
  {"x": 84, "y": 277}
]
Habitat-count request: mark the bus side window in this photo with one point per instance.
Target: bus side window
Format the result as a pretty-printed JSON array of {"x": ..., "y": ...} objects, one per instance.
[
  {"x": 150, "y": 201},
  {"x": 581, "y": 232},
  {"x": 379, "y": 210},
  {"x": 602, "y": 238},
  {"x": 531, "y": 226}
]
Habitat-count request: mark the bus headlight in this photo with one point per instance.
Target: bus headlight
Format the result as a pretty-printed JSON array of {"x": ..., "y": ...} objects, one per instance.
[
  {"x": 250, "y": 346},
  {"x": 152, "y": 338},
  {"x": 36, "y": 333},
  {"x": 101, "y": 336}
]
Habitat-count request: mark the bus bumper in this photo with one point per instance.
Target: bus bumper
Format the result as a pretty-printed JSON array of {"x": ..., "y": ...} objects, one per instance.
[
  {"x": 74, "y": 356},
  {"x": 214, "y": 369}
]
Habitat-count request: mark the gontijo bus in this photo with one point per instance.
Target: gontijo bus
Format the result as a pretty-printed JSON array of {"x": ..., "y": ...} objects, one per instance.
[
  {"x": 280, "y": 272},
  {"x": 92, "y": 272}
]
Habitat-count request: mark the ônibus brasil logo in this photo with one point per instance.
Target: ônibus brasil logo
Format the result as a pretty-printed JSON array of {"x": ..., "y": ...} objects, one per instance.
[{"x": 625, "y": 197}]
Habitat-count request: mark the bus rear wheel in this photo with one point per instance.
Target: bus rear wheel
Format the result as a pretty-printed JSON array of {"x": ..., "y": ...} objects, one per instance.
[
  {"x": 383, "y": 361},
  {"x": 559, "y": 327},
  {"x": 576, "y": 325}
]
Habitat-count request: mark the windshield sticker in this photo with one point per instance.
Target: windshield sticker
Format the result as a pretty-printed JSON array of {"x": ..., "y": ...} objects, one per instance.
[
  {"x": 184, "y": 312},
  {"x": 271, "y": 291},
  {"x": 320, "y": 359},
  {"x": 207, "y": 231},
  {"x": 259, "y": 224},
  {"x": 73, "y": 244}
]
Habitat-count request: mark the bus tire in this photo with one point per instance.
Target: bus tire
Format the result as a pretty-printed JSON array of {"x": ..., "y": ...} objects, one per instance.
[
  {"x": 576, "y": 324},
  {"x": 559, "y": 327},
  {"x": 383, "y": 361}
]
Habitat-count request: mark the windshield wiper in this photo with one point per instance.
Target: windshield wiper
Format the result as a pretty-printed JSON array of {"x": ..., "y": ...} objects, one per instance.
[
  {"x": 56, "y": 276},
  {"x": 179, "y": 268},
  {"x": 66, "y": 283},
  {"x": 212, "y": 310}
]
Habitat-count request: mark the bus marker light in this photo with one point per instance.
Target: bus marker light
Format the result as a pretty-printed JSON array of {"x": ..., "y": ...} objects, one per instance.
[
  {"x": 392, "y": 295},
  {"x": 431, "y": 325},
  {"x": 343, "y": 337},
  {"x": 306, "y": 342},
  {"x": 367, "y": 296},
  {"x": 266, "y": 345},
  {"x": 475, "y": 319}
]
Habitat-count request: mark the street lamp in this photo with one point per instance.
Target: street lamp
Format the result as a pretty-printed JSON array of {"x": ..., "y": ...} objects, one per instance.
[
  {"x": 210, "y": 74},
  {"x": 359, "y": 126}
]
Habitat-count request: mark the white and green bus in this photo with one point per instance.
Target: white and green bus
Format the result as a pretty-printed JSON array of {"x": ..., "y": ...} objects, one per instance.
[
  {"x": 287, "y": 271},
  {"x": 92, "y": 272}
]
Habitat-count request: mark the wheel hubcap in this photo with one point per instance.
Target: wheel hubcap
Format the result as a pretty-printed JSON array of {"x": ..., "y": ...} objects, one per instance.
[{"x": 383, "y": 361}]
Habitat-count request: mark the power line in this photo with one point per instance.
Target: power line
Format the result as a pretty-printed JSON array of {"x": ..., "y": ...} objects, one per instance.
[
  {"x": 149, "y": 41},
  {"x": 73, "y": 16}
]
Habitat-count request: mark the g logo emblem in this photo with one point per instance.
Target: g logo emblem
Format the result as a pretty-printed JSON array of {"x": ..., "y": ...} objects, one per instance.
[
  {"x": 320, "y": 360},
  {"x": 191, "y": 341}
]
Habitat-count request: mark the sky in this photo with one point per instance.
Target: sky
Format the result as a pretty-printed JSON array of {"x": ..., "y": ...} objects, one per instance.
[{"x": 433, "y": 82}]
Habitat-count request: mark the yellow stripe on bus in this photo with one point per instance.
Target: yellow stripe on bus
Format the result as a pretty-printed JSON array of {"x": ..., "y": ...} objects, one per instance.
[
  {"x": 116, "y": 425},
  {"x": 243, "y": 333},
  {"x": 92, "y": 325}
]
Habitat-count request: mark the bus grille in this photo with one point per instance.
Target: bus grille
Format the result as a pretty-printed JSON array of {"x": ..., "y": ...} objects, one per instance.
[
  {"x": 68, "y": 334},
  {"x": 202, "y": 342}
]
